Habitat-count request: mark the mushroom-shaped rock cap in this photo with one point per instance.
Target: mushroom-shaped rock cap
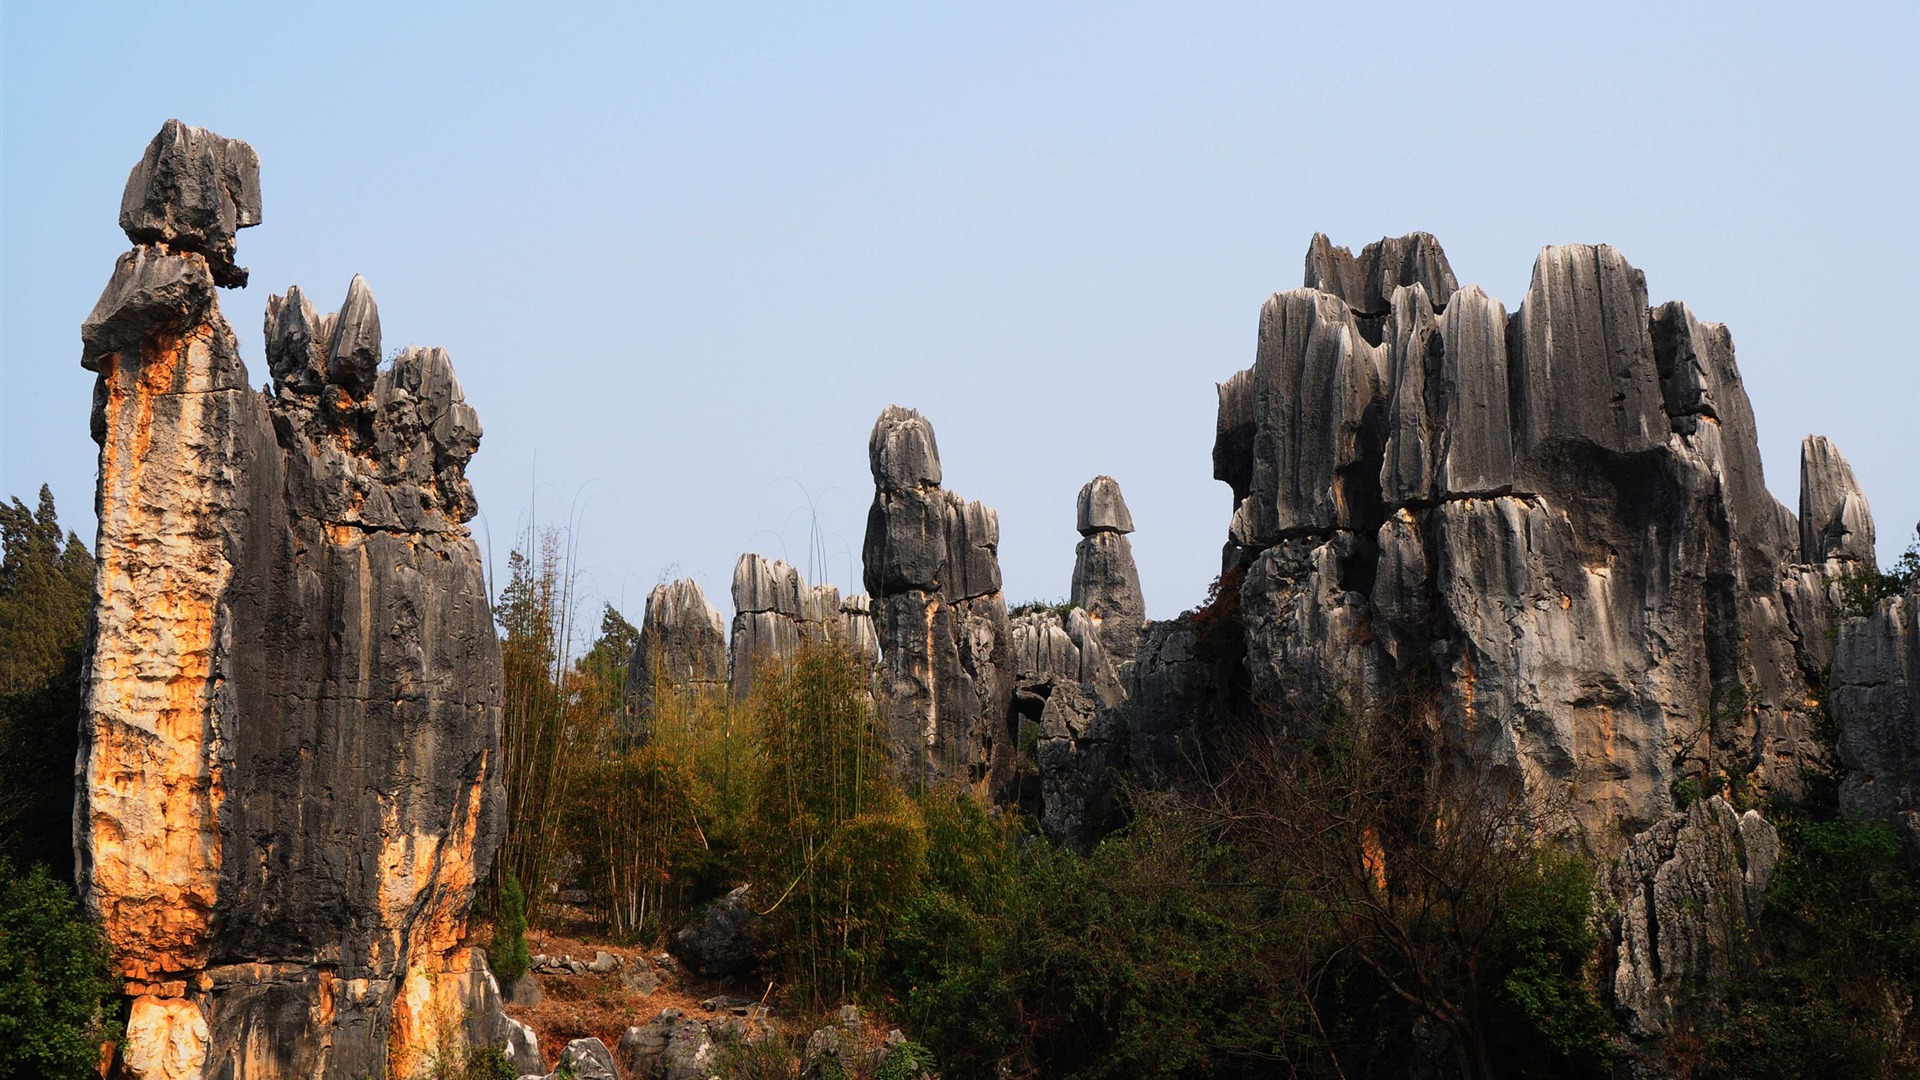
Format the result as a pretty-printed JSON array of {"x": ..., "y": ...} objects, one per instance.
[
  {"x": 902, "y": 451},
  {"x": 191, "y": 191},
  {"x": 1101, "y": 508},
  {"x": 1366, "y": 282},
  {"x": 1835, "y": 522}
]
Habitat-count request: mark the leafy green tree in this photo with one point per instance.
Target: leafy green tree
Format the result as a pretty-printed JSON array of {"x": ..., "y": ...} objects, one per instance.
[
  {"x": 56, "y": 980},
  {"x": 46, "y": 596}
]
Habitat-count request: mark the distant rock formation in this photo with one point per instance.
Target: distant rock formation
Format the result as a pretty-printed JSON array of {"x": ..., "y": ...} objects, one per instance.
[
  {"x": 775, "y": 611},
  {"x": 932, "y": 564},
  {"x": 682, "y": 649},
  {"x": 1106, "y": 584},
  {"x": 289, "y": 775}
]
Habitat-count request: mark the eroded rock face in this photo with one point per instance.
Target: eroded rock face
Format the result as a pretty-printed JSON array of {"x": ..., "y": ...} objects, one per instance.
[
  {"x": 1560, "y": 510},
  {"x": 289, "y": 769},
  {"x": 191, "y": 192},
  {"x": 1835, "y": 521},
  {"x": 682, "y": 649},
  {"x": 931, "y": 562},
  {"x": 775, "y": 611},
  {"x": 1689, "y": 894},
  {"x": 1875, "y": 702}
]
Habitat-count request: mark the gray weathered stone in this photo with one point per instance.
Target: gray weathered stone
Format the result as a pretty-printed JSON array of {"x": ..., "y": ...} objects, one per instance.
[
  {"x": 1366, "y": 282},
  {"x": 727, "y": 937},
  {"x": 1080, "y": 753},
  {"x": 1582, "y": 359},
  {"x": 1688, "y": 891},
  {"x": 931, "y": 562},
  {"x": 1561, "y": 512},
  {"x": 1875, "y": 701},
  {"x": 682, "y": 650},
  {"x": 1105, "y": 581},
  {"x": 285, "y": 584},
  {"x": 585, "y": 1059},
  {"x": 1046, "y": 644},
  {"x": 191, "y": 192},
  {"x": 776, "y": 611},
  {"x": 1835, "y": 521},
  {"x": 1101, "y": 508}
]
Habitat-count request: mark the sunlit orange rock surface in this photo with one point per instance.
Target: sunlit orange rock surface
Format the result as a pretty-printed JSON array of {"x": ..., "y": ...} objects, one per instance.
[{"x": 290, "y": 763}]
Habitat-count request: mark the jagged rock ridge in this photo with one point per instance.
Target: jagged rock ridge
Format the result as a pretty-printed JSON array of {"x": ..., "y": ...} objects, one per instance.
[
  {"x": 290, "y": 758},
  {"x": 1559, "y": 511}
]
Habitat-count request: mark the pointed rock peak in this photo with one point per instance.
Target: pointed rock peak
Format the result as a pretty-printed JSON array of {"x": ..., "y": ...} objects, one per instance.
[
  {"x": 297, "y": 341},
  {"x": 354, "y": 360},
  {"x": 1101, "y": 508},
  {"x": 1835, "y": 521},
  {"x": 191, "y": 191},
  {"x": 902, "y": 451},
  {"x": 1366, "y": 282},
  {"x": 677, "y": 605}
]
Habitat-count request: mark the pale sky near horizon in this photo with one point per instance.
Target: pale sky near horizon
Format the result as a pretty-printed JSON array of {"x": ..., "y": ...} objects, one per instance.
[{"x": 682, "y": 256}]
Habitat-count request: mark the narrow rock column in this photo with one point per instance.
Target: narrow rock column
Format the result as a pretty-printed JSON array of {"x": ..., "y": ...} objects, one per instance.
[
  {"x": 1105, "y": 581},
  {"x": 932, "y": 566},
  {"x": 1835, "y": 521}
]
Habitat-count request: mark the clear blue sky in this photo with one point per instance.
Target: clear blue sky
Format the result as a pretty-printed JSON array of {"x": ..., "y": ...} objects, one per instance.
[{"x": 683, "y": 256}]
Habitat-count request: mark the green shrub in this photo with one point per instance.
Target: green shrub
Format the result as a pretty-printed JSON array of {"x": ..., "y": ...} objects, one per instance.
[
  {"x": 508, "y": 954},
  {"x": 1834, "y": 993},
  {"x": 1862, "y": 590},
  {"x": 1141, "y": 959},
  {"x": 56, "y": 980},
  {"x": 908, "y": 1061}
]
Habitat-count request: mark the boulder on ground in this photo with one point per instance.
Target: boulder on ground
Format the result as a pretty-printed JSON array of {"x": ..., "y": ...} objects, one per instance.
[{"x": 727, "y": 937}]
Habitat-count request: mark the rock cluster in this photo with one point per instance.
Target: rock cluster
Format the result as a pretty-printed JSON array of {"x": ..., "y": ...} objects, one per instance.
[
  {"x": 932, "y": 566},
  {"x": 776, "y": 611},
  {"x": 289, "y": 770},
  {"x": 1559, "y": 510}
]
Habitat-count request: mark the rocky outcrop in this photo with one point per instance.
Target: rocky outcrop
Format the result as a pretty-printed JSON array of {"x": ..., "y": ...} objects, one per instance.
[
  {"x": 931, "y": 563},
  {"x": 289, "y": 775},
  {"x": 682, "y": 650},
  {"x": 776, "y": 611},
  {"x": 727, "y": 937},
  {"x": 1835, "y": 521},
  {"x": 1080, "y": 756},
  {"x": 1560, "y": 511},
  {"x": 1689, "y": 895},
  {"x": 584, "y": 1059},
  {"x": 1875, "y": 701},
  {"x": 1106, "y": 584}
]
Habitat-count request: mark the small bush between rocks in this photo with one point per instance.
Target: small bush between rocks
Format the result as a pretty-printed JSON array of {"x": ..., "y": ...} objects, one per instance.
[{"x": 508, "y": 956}]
